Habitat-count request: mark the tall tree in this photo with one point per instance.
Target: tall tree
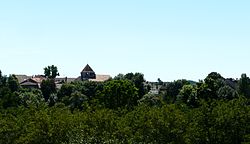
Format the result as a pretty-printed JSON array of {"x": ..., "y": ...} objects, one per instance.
[
  {"x": 48, "y": 87},
  {"x": 3, "y": 79},
  {"x": 188, "y": 95},
  {"x": 244, "y": 86},
  {"x": 13, "y": 83},
  {"x": 51, "y": 72},
  {"x": 138, "y": 80}
]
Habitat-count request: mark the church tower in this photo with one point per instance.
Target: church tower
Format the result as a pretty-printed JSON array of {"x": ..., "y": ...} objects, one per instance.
[{"x": 88, "y": 73}]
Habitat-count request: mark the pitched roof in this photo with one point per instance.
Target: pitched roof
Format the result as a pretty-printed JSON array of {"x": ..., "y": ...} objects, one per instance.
[
  {"x": 101, "y": 78},
  {"x": 27, "y": 83},
  {"x": 21, "y": 78},
  {"x": 87, "y": 68}
]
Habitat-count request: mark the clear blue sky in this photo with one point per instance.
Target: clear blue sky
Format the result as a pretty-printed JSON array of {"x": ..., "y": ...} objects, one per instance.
[{"x": 160, "y": 38}]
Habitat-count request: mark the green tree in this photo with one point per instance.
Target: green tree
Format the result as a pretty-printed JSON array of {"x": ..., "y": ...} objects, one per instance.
[
  {"x": 172, "y": 89},
  {"x": 138, "y": 80},
  {"x": 48, "y": 87},
  {"x": 31, "y": 98},
  {"x": 244, "y": 85},
  {"x": 151, "y": 100},
  {"x": 13, "y": 83},
  {"x": 119, "y": 77},
  {"x": 77, "y": 100},
  {"x": 3, "y": 80},
  {"x": 88, "y": 88},
  {"x": 119, "y": 93},
  {"x": 227, "y": 92},
  {"x": 8, "y": 91},
  {"x": 219, "y": 122},
  {"x": 188, "y": 95},
  {"x": 214, "y": 81},
  {"x": 51, "y": 72},
  {"x": 66, "y": 90},
  {"x": 160, "y": 82}
]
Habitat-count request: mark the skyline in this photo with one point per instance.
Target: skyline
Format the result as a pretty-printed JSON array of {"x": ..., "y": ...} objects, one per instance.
[{"x": 166, "y": 40}]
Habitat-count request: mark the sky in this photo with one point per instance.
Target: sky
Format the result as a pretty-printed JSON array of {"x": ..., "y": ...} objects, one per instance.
[{"x": 163, "y": 39}]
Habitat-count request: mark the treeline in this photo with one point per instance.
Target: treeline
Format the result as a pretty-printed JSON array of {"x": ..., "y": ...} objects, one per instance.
[{"x": 121, "y": 110}]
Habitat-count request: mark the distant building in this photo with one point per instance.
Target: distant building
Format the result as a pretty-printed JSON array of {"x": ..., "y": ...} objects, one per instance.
[
  {"x": 86, "y": 74},
  {"x": 89, "y": 74},
  {"x": 31, "y": 82}
]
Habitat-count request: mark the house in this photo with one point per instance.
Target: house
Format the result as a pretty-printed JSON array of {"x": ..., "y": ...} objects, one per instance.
[
  {"x": 33, "y": 82},
  {"x": 86, "y": 74}
]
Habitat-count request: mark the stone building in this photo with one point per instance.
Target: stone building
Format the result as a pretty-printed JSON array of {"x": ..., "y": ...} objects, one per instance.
[{"x": 87, "y": 73}]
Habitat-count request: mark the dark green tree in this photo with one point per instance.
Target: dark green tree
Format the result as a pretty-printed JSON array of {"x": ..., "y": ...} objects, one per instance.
[
  {"x": 13, "y": 83},
  {"x": 214, "y": 81},
  {"x": 244, "y": 86},
  {"x": 31, "y": 98},
  {"x": 88, "y": 88},
  {"x": 8, "y": 91},
  {"x": 48, "y": 87},
  {"x": 77, "y": 100},
  {"x": 66, "y": 90},
  {"x": 172, "y": 89},
  {"x": 138, "y": 80},
  {"x": 119, "y": 77},
  {"x": 188, "y": 95},
  {"x": 119, "y": 93},
  {"x": 3, "y": 79},
  {"x": 227, "y": 92},
  {"x": 51, "y": 72}
]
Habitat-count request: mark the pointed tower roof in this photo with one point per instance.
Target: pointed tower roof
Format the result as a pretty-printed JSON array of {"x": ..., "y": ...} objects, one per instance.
[{"x": 87, "y": 68}]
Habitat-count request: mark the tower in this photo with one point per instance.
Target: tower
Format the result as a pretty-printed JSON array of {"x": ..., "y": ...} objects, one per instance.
[{"x": 88, "y": 73}]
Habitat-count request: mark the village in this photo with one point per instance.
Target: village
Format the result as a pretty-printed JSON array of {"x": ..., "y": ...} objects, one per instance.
[{"x": 86, "y": 74}]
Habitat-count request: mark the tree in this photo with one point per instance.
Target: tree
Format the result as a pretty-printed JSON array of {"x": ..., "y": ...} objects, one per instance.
[
  {"x": 66, "y": 90},
  {"x": 119, "y": 77},
  {"x": 188, "y": 95},
  {"x": 160, "y": 82},
  {"x": 3, "y": 79},
  {"x": 244, "y": 86},
  {"x": 51, "y": 72},
  {"x": 227, "y": 92},
  {"x": 172, "y": 89},
  {"x": 119, "y": 93},
  {"x": 76, "y": 100},
  {"x": 151, "y": 100},
  {"x": 8, "y": 91},
  {"x": 13, "y": 83},
  {"x": 214, "y": 82},
  {"x": 138, "y": 80},
  {"x": 31, "y": 98},
  {"x": 48, "y": 87},
  {"x": 88, "y": 88}
]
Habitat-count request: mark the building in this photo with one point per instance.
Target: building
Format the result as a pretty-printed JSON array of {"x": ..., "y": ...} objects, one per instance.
[
  {"x": 30, "y": 82},
  {"x": 87, "y": 74}
]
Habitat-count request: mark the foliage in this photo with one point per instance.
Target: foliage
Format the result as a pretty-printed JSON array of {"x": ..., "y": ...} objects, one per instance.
[
  {"x": 172, "y": 89},
  {"x": 151, "y": 100},
  {"x": 48, "y": 87},
  {"x": 188, "y": 95},
  {"x": 244, "y": 85},
  {"x": 12, "y": 83},
  {"x": 51, "y": 72},
  {"x": 137, "y": 79},
  {"x": 119, "y": 93},
  {"x": 215, "y": 110}
]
